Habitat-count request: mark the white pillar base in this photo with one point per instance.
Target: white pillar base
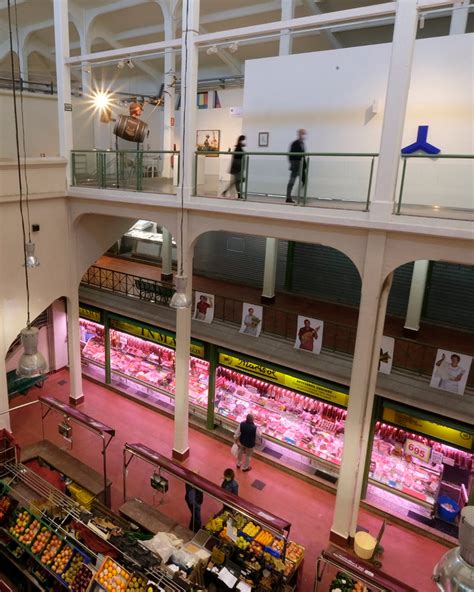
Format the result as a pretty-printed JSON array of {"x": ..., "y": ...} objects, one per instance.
[
  {"x": 270, "y": 269},
  {"x": 417, "y": 296}
]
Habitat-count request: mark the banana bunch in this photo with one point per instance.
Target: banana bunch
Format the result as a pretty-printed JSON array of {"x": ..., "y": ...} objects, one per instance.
[
  {"x": 264, "y": 538},
  {"x": 215, "y": 525},
  {"x": 242, "y": 543},
  {"x": 251, "y": 529}
]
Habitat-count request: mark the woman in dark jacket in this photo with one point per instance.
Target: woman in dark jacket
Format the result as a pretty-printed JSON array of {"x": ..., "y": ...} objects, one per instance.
[{"x": 236, "y": 167}]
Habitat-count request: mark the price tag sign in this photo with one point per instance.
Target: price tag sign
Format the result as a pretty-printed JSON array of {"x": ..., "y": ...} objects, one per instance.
[
  {"x": 436, "y": 457},
  {"x": 417, "y": 450}
]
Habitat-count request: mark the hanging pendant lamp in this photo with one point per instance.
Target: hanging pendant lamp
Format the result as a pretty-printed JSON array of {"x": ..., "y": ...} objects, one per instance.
[{"x": 32, "y": 362}]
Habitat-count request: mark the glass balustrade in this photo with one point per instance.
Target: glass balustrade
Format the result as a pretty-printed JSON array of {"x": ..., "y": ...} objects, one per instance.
[
  {"x": 440, "y": 186},
  {"x": 131, "y": 170},
  {"x": 324, "y": 180}
]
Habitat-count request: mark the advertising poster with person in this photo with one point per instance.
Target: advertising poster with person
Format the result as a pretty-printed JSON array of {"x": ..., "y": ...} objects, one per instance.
[
  {"x": 386, "y": 354},
  {"x": 204, "y": 307},
  {"x": 309, "y": 334},
  {"x": 252, "y": 316},
  {"x": 450, "y": 371}
]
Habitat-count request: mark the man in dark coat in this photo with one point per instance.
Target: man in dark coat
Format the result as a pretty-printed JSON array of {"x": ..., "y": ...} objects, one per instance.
[
  {"x": 297, "y": 167},
  {"x": 246, "y": 438}
]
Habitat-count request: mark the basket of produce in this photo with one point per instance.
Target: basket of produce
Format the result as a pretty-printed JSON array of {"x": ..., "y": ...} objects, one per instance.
[
  {"x": 112, "y": 577},
  {"x": 41, "y": 540},
  {"x": 71, "y": 570},
  {"x": 82, "y": 579},
  {"x": 51, "y": 550},
  {"x": 20, "y": 524},
  {"x": 61, "y": 560},
  {"x": 7, "y": 506},
  {"x": 344, "y": 583},
  {"x": 137, "y": 583},
  {"x": 448, "y": 509},
  {"x": 251, "y": 530},
  {"x": 294, "y": 553}
]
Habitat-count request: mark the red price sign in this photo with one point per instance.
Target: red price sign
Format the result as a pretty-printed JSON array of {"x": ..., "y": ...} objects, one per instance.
[{"x": 417, "y": 449}]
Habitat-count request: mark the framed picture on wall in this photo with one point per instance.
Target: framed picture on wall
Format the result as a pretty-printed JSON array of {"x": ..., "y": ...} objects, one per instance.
[
  {"x": 208, "y": 141},
  {"x": 263, "y": 138}
]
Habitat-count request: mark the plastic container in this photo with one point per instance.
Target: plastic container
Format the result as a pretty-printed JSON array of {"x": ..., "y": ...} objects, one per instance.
[
  {"x": 364, "y": 544},
  {"x": 445, "y": 513}
]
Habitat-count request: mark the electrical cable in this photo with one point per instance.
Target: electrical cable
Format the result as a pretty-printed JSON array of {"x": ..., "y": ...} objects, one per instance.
[
  {"x": 17, "y": 144},
  {"x": 183, "y": 147},
  {"x": 22, "y": 113}
]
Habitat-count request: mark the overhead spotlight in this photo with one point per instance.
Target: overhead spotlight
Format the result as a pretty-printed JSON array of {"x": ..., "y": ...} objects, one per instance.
[
  {"x": 121, "y": 65},
  {"x": 86, "y": 67},
  {"x": 32, "y": 362},
  {"x": 233, "y": 47},
  {"x": 179, "y": 298},
  {"x": 211, "y": 50},
  {"x": 31, "y": 259},
  {"x": 101, "y": 100},
  {"x": 130, "y": 64}
]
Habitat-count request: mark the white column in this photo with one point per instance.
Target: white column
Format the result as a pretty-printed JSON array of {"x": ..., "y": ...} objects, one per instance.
[
  {"x": 86, "y": 82},
  {"x": 189, "y": 73},
  {"x": 286, "y": 40},
  {"x": 403, "y": 45},
  {"x": 417, "y": 295},
  {"x": 4, "y": 404},
  {"x": 63, "y": 75},
  {"x": 166, "y": 255},
  {"x": 74, "y": 350},
  {"x": 23, "y": 63},
  {"x": 459, "y": 17},
  {"x": 269, "y": 271},
  {"x": 168, "y": 109},
  {"x": 362, "y": 388}
]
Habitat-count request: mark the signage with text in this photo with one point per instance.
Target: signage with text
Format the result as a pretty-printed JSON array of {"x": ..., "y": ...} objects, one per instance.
[
  {"x": 417, "y": 449},
  {"x": 286, "y": 380},
  {"x": 90, "y": 313},
  {"x": 429, "y": 428},
  {"x": 154, "y": 335}
]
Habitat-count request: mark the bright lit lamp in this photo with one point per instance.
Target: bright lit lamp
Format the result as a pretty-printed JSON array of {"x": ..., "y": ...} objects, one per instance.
[
  {"x": 31, "y": 259},
  {"x": 32, "y": 362},
  {"x": 180, "y": 299},
  {"x": 101, "y": 100}
]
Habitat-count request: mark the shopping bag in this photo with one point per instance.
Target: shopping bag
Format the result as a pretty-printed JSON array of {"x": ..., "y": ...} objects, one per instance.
[{"x": 235, "y": 450}]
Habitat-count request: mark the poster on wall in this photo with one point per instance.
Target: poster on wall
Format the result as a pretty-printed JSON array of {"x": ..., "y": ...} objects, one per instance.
[
  {"x": 450, "y": 371},
  {"x": 204, "y": 307},
  {"x": 252, "y": 316},
  {"x": 309, "y": 334},
  {"x": 208, "y": 141},
  {"x": 386, "y": 354}
]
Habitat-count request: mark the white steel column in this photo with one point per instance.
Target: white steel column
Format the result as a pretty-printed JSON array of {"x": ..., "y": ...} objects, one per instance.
[
  {"x": 189, "y": 74},
  {"x": 23, "y": 63},
  {"x": 76, "y": 395},
  {"x": 459, "y": 17},
  {"x": 4, "y": 404},
  {"x": 286, "y": 40},
  {"x": 63, "y": 75},
  {"x": 403, "y": 45},
  {"x": 417, "y": 295},
  {"x": 166, "y": 255},
  {"x": 168, "y": 108},
  {"x": 362, "y": 388},
  {"x": 270, "y": 269}
]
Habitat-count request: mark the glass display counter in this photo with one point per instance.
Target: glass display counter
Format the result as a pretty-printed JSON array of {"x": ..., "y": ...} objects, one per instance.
[
  {"x": 295, "y": 421},
  {"x": 146, "y": 364}
]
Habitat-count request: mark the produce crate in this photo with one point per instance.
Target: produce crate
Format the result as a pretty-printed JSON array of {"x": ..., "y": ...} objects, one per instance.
[{"x": 81, "y": 495}]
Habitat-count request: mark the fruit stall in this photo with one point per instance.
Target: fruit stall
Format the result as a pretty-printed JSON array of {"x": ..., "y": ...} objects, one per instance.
[
  {"x": 247, "y": 544},
  {"x": 340, "y": 571}
]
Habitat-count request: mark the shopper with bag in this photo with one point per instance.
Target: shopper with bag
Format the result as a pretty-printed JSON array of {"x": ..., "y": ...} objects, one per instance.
[{"x": 246, "y": 438}]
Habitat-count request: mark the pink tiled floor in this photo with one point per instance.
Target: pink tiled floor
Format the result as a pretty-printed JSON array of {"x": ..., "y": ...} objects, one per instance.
[{"x": 408, "y": 556}]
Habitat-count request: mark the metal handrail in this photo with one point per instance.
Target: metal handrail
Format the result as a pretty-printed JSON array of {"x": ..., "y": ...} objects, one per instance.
[
  {"x": 110, "y": 151},
  {"x": 261, "y": 153},
  {"x": 435, "y": 156}
]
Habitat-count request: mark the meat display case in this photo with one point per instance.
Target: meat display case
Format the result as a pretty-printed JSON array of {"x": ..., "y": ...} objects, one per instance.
[
  {"x": 147, "y": 364},
  {"x": 298, "y": 422}
]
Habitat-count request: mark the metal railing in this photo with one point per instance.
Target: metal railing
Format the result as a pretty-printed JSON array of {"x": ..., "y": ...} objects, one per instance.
[
  {"x": 132, "y": 170},
  {"x": 325, "y": 179},
  {"x": 129, "y": 285},
  {"x": 440, "y": 186},
  {"x": 47, "y": 88},
  {"x": 410, "y": 356}
]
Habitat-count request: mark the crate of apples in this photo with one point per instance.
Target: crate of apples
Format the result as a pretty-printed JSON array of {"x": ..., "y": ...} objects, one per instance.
[
  {"x": 21, "y": 524},
  {"x": 82, "y": 579},
  {"x": 61, "y": 560},
  {"x": 112, "y": 577},
  {"x": 51, "y": 550},
  {"x": 32, "y": 530},
  {"x": 41, "y": 540},
  {"x": 137, "y": 584},
  {"x": 74, "y": 568},
  {"x": 5, "y": 504}
]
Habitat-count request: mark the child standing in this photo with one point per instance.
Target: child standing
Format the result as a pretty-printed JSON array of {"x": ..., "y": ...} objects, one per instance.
[{"x": 230, "y": 484}]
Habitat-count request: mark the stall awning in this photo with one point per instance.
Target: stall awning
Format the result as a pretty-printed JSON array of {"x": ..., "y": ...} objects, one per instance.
[{"x": 206, "y": 486}]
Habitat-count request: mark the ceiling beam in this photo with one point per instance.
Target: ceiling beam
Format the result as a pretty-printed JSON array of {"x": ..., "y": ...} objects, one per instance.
[
  {"x": 225, "y": 56},
  {"x": 314, "y": 9}
]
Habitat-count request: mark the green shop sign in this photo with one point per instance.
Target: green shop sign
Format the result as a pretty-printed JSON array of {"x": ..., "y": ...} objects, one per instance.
[{"x": 90, "y": 313}]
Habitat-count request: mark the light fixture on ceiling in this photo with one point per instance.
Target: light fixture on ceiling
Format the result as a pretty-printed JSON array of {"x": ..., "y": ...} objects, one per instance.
[
  {"x": 31, "y": 258},
  {"x": 120, "y": 64},
  {"x": 233, "y": 47},
  {"x": 32, "y": 362},
  {"x": 130, "y": 64},
  {"x": 179, "y": 298},
  {"x": 211, "y": 50}
]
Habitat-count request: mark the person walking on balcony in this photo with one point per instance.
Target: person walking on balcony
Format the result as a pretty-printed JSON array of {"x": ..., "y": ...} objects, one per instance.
[
  {"x": 236, "y": 168},
  {"x": 297, "y": 164}
]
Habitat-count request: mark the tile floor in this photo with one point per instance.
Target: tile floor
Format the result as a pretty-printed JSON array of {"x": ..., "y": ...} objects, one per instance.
[{"x": 407, "y": 555}]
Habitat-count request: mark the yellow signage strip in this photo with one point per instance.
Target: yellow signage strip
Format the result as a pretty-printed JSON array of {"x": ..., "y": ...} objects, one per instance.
[
  {"x": 286, "y": 380},
  {"x": 429, "y": 428},
  {"x": 91, "y": 314},
  {"x": 154, "y": 335}
]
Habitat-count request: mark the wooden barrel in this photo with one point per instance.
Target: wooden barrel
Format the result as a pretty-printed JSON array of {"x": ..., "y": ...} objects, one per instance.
[{"x": 130, "y": 128}]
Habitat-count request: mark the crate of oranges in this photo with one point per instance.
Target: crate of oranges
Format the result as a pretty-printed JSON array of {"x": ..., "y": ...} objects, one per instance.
[{"x": 112, "y": 577}]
